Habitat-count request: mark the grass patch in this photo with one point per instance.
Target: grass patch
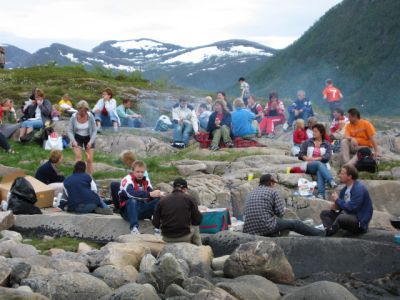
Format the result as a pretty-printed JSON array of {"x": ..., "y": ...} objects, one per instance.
[{"x": 66, "y": 243}]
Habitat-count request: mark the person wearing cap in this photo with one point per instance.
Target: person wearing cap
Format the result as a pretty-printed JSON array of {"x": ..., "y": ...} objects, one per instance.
[
  {"x": 264, "y": 211},
  {"x": 82, "y": 134},
  {"x": 137, "y": 198},
  {"x": 178, "y": 216},
  {"x": 185, "y": 122}
]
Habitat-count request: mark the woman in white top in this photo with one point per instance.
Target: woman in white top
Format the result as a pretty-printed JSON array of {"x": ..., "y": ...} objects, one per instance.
[
  {"x": 82, "y": 134},
  {"x": 105, "y": 111}
]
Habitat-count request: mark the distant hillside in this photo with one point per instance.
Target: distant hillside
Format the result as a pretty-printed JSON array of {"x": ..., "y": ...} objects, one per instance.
[{"x": 357, "y": 44}]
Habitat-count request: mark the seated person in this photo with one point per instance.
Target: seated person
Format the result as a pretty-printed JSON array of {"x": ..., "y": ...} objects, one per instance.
[
  {"x": 352, "y": 210},
  {"x": 338, "y": 115},
  {"x": 219, "y": 126},
  {"x": 65, "y": 105},
  {"x": 5, "y": 145},
  {"x": 209, "y": 103},
  {"x": 299, "y": 137},
  {"x": 137, "y": 198},
  {"x": 36, "y": 114},
  {"x": 316, "y": 152},
  {"x": 185, "y": 122},
  {"x": 49, "y": 174},
  {"x": 309, "y": 129},
  {"x": 255, "y": 108},
  {"x": 127, "y": 116},
  {"x": 301, "y": 108},
  {"x": 7, "y": 109},
  {"x": 221, "y": 96},
  {"x": 203, "y": 114},
  {"x": 274, "y": 115},
  {"x": 264, "y": 211},
  {"x": 80, "y": 195},
  {"x": 105, "y": 111},
  {"x": 178, "y": 216},
  {"x": 244, "y": 123}
]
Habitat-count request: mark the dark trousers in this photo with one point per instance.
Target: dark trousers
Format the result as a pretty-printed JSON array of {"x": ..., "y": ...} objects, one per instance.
[
  {"x": 114, "y": 189},
  {"x": 296, "y": 226},
  {"x": 334, "y": 221},
  {"x": 3, "y": 142}
]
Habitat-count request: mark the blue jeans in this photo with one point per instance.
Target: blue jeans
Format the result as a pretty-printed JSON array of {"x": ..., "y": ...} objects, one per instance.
[
  {"x": 106, "y": 121},
  {"x": 136, "y": 210},
  {"x": 303, "y": 115},
  {"x": 183, "y": 132},
  {"x": 35, "y": 124},
  {"x": 323, "y": 175},
  {"x": 86, "y": 208},
  {"x": 131, "y": 122}
]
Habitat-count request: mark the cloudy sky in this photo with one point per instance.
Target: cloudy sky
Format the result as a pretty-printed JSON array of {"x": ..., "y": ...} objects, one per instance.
[{"x": 83, "y": 24}]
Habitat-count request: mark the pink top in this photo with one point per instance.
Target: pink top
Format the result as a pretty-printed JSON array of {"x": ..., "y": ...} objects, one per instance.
[{"x": 317, "y": 152}]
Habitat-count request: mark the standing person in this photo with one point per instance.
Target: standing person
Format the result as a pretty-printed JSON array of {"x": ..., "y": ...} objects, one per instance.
[
  {"x": 244, "y": 90},
  {"x": 127, "y": 116},
  {"x": 255, "y": 108},
  {"x": 219, "y": 126},
  {"x": 36, "y": 114},
  {"x": 137, "y": 198},
  {"x": 359, "y": 133},
  {"x": 105, "y": 111},
  {"x": 203, "y": 114},
  {"x": 316, "y": 152},
  {"x": 332, "y": 94},
  {"x": 264, "y": 211},
  {"x": 352, "y": 210},
  {"x": 244, "y": 122},
  {"x": 178, "y": 216},
  {"x": 301, "y": 108},
  {"x": 2, "y": 57},
  {"x": 80, "y": 196},
  {"x": 49, "y": 174},
  {"x": 185, "y": 122},
  {"x": 82, "y": 134},
  {"x": 274, "y": 115}
]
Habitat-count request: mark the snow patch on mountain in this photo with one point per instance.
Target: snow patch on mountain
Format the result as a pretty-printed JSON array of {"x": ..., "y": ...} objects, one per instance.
[
  {"x": 120, "y": 67},
  {"x": 139, "y": 45},
  {"x": 70, "y": 56}
]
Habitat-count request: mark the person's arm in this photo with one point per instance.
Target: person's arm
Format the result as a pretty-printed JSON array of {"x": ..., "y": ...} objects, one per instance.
[
  {"x": 327, "y": 155},
  {"x": 195, "y": 215},
  {"x": 303, "y": 151},
  {"x": 375, "y": 145},
  {"x": 356, "y": 200},
  {"x": 46, "y": 108},
  {"x": 92, "y": 124},
  {"x": 211, "y": 123},
  {"x": 279, "y": 207},
  {"x": 157, "y": 217},
  {"x": 281, "y": 107},
  {"x": 111, "y": 105},
  {"x": 71, "y": 129},
  {"x": 121, "y": 112},
  {"x": 137, "y": 195},
  {"x": 227, "y": 120}
]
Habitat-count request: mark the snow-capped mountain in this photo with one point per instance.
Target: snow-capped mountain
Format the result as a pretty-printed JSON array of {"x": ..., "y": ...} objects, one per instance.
[{"x": 210, "y": 67}]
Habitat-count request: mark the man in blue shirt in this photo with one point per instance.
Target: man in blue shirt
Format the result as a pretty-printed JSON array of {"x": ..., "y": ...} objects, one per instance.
[
  {"x": 244, "y": 123},
  {"x": 352, "y": 209},
  {"x": 300, "y": 109}
]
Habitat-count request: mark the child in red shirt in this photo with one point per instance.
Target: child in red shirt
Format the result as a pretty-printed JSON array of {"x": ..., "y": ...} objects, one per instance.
[{"x": 299, "y": 136}]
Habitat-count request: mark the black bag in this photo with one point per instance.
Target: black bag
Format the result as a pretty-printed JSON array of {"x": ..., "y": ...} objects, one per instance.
[
  {"x": 22, "y": 198},
  {"x": 366, "y": 161}
]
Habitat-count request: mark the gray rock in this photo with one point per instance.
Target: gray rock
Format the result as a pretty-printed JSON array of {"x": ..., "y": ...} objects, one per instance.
[
  {"x": 198, "y": 258},
  {"x": 384, "y": 194},
  {"x": 251, "y": 287},
  {"x": 151, "y": 241},
  {"x": 239, "y": 191},
  {"x": 23, "y": 250},
  {"x": 175, "y": 290},
  {"x": 133, "y": 291},
  {"x": 6, "y": 219},
  {"x": 321, "y": 290},
  {"x": 73, "y": 256},
  {"x": 215, "y": 294},
  {"x": 262, "y": 258},
  {"x": 10, "y": 235},
  {"x": 147, "y": 262},
  {"x": 189, "y": 167},
  {"x": 5, "y": 272},
  {"x": 115, "y": 277},
  {"x": 218, "y": 263},
  {"x": 17, "y": 294},
  {"x": 62, "y": 265},
  {"x": 68, "y": 286},
  {"x": 396, "y": 172},
  {"x": 290, "y": 180},
  {"x": 19, "y": 271},
  {"x": 198, "y": 281},
  {"x": 166, "y": 271}
]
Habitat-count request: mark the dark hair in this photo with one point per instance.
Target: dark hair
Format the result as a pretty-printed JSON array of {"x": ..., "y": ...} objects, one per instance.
[
  {"x": 126, "y": 101},
  {"x": 222, "y": 93},
  {"x": 354, "y": 112},
  {"x": 321, "y": 129},
  {"x": 273, "y": 95},
  {"x": 339, "y": 110},
  {"x": 203, "y": 106},
  {"x": 329, "y": 81},
  {"x": 242, "y": 79},
  {"x": 351, "y": 171},
  {"x": 108, "y": 91},
  {"x": 79, "y": 167},
  {"x": 267, "y": 179}
]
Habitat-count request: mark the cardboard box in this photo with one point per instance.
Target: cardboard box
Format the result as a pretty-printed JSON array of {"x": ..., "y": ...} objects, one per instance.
[{"x": 44, "y": 193}]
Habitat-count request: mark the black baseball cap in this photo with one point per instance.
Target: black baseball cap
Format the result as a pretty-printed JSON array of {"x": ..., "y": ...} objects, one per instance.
[
  {"x": 267, "y": 178},
  {"x": 181, "y": 183}
]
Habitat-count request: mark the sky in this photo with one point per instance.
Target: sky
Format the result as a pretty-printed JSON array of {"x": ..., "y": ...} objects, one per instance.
[{"x": 83, "y": 24}]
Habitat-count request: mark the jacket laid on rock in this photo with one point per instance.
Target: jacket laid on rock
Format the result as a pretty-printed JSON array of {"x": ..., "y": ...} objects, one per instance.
[
  {"x": 186, "y": 114},
  {"x": 360, "y": 203},
  {"x": 307, "y": 148}
]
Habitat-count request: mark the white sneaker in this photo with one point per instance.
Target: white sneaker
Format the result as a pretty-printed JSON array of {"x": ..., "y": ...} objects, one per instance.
[
  {"x": 157, "y": 232},
  {"x": 320, "y": 227},
  {"x": 285, "y": 126},
  {"x": 135, "y": 230}
]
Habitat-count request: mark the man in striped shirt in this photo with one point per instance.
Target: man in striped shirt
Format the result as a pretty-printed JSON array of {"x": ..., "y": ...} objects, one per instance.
[{"x": 264, "y": 211}]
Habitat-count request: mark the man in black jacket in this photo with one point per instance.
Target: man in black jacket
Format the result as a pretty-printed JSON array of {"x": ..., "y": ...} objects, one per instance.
[{"x": 178, "y": 216}]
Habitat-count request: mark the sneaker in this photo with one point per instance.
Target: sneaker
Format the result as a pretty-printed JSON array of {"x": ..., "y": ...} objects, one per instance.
[
  {"x": 285, "y": 126},
  {"x": 99, "y": 129},
  {"x": 229, "y": 144},
  {"x": 135, "y": 230},
  {"x": 320, "y": 227},
  {"x": 157, "y": 232},
  {"x": 333, "y": 184},
  {"x": 270, "y": 135},
  {"x": 320, "y": 196},
  {"x": 103, "y": 211},
  {"x": 214, "y": 148}
]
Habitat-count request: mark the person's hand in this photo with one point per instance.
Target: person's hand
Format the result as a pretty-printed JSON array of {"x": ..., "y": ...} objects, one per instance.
[
  {"x": 296, "y": 112},
  {"x": 88, "y": 146},
  {"x": 217, "y": 122},
  {"x": 155, "y": 194},
  {"x": 96, "y": 111},
  {"x": 180, "y": 121},
  {"x": 334, "y": 206},
  {"x": 377, "y": 154},
  {"x": 57, "y": 209},
  {"x": 74, "y": 144},
  {"x": 197, "y": 133},
  {"x": 39, "y": 102}
]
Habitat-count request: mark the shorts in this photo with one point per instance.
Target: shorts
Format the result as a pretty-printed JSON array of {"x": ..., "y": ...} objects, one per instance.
[{"x": 82, "y": 141}]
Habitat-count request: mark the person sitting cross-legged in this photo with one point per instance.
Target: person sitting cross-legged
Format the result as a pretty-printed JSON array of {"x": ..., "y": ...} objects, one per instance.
[
  {"x": 244, "y": 123},
  {"x": 137, "y": 199},
  {"x": 178, "y": 216},
  {"x": 219, "y": 125},
  {"x": 127, "y": 116}
]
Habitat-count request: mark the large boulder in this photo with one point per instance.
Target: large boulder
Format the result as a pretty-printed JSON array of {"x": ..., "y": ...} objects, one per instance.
[
  {"x": 251, "y": 287},
  {"x": 321, "y": 290},
  {"x": 10, "y": 235},
  {"x": 189, "y": 167},
  {"x": 133, "y": 291},
  {"x": 291, "y": 180},
  {"x": 6, "y": 219},
  {"x": 147, "y": 262},
  {"x": 17, "y": 294},
  {"x": 199, "y": 258},
  {"x": 239, "y": 190},
  {"x": 16, "y": 249},
  {"x": 262, "y": 258},
  {"x": 151, "y": 241},
  {"x": 5, "y": 272},
  {"x": 68, "y": 286},
  {"x": 215, "y": 294},
  {"x": 115, "y": 277},
  {"x": 384, "y": 195}
]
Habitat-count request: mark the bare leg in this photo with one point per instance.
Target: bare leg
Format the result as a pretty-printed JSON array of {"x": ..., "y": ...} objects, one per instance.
[{"x": 89, "y": 161}]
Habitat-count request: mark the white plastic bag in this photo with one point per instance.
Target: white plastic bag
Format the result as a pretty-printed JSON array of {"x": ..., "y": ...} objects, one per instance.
[
  {"x": 54, "y": 142},
  {"x": 306, "y": 188}
]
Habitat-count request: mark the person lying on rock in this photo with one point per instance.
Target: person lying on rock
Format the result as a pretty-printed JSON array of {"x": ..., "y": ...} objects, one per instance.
[
  {"x": 178, "y": 216},
  {"x": 137, "y": 199},
  {"x": 352, "y": 209},
  {"x": 264, "y": 212}
]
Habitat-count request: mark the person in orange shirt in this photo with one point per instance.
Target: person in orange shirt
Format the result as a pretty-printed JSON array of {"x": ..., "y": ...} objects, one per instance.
[
  {"x": 333, "y": 95},
  {"x": 359, "y": 133}
]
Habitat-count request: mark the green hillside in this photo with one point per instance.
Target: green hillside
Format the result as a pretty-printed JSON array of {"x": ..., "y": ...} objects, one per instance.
[{"x": 357, "y": 44}]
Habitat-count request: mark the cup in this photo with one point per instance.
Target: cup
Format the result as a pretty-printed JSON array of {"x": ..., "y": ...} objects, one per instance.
[
  {"x": 250, "y": 176},
  {"x": 288, "y": 170}
]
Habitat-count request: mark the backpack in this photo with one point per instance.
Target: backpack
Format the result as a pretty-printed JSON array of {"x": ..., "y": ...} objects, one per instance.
[
  {"x": 365, "y": 161},
  {"x": 163, "y": 123}
]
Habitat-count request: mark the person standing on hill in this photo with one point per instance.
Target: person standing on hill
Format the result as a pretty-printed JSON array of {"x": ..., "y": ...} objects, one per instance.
[
  {"x": 2, "y": 57},
  {"x": 332, "y": 94},
  {"x": 245, "y": 90}
]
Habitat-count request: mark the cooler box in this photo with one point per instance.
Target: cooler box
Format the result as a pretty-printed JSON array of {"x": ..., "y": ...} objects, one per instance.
[
  {"x": 215, "y": 220},
  {"x": 204, "y": 139}
]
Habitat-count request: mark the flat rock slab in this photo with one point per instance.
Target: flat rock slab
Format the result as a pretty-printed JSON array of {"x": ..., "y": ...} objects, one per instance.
[{"x": 94, "y": 227}]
